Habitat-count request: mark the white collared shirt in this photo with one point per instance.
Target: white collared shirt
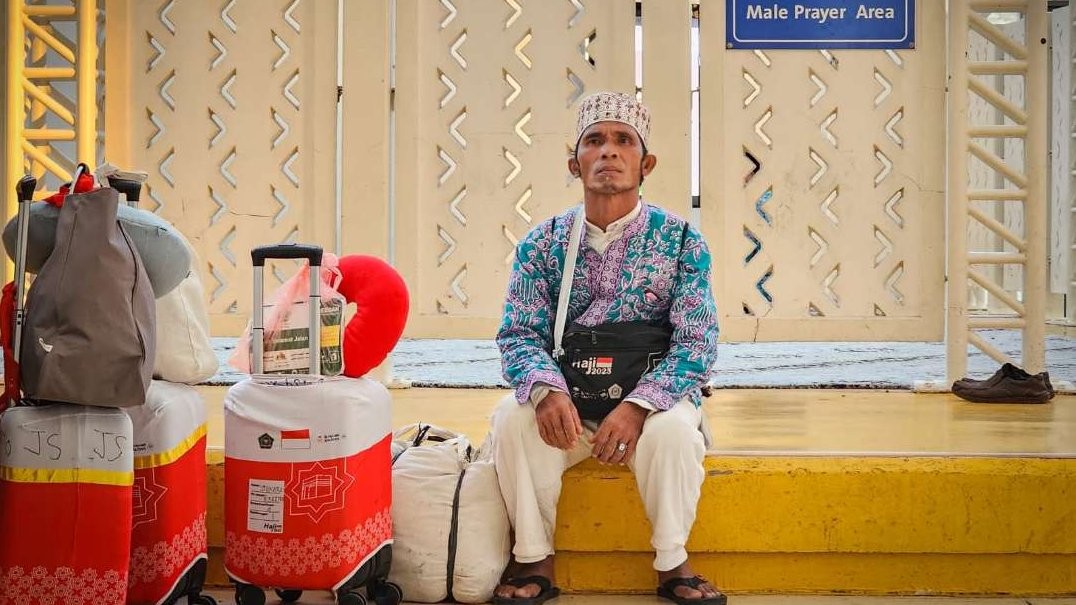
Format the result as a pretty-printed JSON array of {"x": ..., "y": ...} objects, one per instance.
[{"x": 599, "y": 240}]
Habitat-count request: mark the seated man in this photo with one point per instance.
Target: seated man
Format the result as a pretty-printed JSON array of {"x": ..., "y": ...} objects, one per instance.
[{"x": 637, "y": 269}]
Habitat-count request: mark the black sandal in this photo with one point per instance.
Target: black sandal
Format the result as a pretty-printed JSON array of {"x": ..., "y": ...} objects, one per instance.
[
  {"x": 668, "y": 591},
  {"x": 546, "y": 591}
]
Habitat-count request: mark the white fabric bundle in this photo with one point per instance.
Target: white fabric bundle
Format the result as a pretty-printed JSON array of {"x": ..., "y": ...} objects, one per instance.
[
  {"x": 450, "y": 525},
  {"x": 184, "y": 352}
]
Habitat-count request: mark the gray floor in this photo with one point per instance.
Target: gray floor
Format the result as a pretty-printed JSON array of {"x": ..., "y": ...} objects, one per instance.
[
  {"x": 875, "y": 365},
  {"x": 225, "y": 597}
]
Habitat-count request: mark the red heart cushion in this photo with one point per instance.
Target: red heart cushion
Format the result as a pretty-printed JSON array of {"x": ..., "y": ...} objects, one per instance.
[{"x": 380, "y": 295}]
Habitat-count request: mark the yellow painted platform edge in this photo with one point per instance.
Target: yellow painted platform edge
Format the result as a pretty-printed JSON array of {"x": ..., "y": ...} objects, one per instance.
[
  {"x": 628, "y": 570},
  {"x": 833, "y": 573},
  {"x": 868, "y": 505}
]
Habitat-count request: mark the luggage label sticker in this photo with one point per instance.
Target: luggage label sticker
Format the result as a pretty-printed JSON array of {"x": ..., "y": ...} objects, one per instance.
[{"x": 265, "y": 506}]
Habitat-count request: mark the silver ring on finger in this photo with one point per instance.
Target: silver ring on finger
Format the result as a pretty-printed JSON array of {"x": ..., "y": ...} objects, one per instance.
[{"x": 622, "y": 447}]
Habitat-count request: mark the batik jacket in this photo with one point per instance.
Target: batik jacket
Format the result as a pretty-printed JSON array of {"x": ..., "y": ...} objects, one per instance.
[{"x": 659, "y": 269}]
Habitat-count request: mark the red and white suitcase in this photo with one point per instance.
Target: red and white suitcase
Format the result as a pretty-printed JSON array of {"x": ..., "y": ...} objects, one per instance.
[
  {"x": 307, "y": 474},
  {"x": 66, "y": 473},
  {"x": 168, "y": 533}
]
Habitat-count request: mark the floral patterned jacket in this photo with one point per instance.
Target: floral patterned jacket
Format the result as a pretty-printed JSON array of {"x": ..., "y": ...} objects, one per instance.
[{"x": 659, "y": 268}]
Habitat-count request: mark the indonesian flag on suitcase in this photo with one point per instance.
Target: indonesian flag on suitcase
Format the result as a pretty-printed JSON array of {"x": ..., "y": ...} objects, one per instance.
[
  {"x": 65, "y": 494},
  {"x": 168, "y": 535},
  {"x": 307, "y": 475}
]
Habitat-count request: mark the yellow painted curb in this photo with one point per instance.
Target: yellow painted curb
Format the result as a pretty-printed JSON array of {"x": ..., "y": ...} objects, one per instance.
[
  {"x": 864, "y": 525},
  {"x": 833, "y": 573},
  {"x": 842, "y": 504}
]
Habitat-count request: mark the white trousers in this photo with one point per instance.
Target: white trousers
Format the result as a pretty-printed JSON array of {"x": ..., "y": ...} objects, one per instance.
[{"x": 667, "y": 465}]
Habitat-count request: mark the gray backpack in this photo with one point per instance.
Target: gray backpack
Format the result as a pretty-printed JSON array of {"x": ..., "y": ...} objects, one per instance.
[{"x": 89, "y": 332}]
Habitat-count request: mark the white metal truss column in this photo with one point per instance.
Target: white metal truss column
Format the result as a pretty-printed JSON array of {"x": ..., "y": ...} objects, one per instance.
[{"x": 1025, "y": 184}]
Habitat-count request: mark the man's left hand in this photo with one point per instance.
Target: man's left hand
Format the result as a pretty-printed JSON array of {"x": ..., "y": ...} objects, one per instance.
[{"x": 622, "y": 426}]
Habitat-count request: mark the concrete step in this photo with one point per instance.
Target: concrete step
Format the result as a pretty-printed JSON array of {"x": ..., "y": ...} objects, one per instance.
[{"x": 921, "y": 506}]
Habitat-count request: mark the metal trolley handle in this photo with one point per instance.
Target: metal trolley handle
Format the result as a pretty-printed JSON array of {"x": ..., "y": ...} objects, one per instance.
[
  {"x": 25, "y": 192},
  {"x": 313, "y": 255}
]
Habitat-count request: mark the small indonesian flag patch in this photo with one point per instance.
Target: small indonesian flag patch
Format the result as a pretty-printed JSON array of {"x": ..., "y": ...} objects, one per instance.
[
  {"x": 603, "y": 362},
  {"x": 298, "y": 439}
]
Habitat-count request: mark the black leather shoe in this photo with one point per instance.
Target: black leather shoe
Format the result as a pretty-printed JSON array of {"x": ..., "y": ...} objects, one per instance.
[
  {"x": 1009, "y": 384},
  {"x": 1007, "y": 370}
]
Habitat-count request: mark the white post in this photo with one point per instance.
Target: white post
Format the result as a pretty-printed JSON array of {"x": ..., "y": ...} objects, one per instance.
[
  {"x": 1060, "y": 148},
  {"x": 1036, "y": 165},
  {"x": 338, "y": 165},
  {"x": 956, "y": 323}
]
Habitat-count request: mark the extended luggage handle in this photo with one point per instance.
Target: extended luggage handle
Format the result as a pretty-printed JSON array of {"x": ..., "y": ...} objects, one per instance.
[
  {"x": 26, "y": 187},
  {"x": 310, "y": 252},
  {"x": 24, "y": 191},
  {"x": 127, "y": 183},
  {"x": 313, "y": 254},
  {"x": 130, "y": 189}
]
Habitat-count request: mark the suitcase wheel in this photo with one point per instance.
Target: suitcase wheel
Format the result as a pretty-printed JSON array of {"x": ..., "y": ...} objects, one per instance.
[
  {"x": 202, "y": 599},
  {"x": 350, "y": 598},
  {"x": 288, "y": 595},
  {"x": 385, "y": 593},
  {"x": 247, "y": 594}
]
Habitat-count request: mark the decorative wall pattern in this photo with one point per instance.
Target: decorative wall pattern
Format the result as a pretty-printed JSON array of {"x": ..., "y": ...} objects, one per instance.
[
  {"x": 230, "y": 104},
  {"x": 827, "y": 212},
  {"x": 486, "y": 93},
  {"x": 822, "y": 172}
]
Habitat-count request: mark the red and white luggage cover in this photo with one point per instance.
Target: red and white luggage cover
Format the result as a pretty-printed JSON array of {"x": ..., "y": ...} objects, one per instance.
[
  {"x": 308, "y": 492},
  {"x": 65, "y": 494},
  {"x": 168, "y": 534}
]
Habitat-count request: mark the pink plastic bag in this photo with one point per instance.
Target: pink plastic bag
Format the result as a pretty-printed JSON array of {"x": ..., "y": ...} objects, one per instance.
[{"x": 286, "y": 321}]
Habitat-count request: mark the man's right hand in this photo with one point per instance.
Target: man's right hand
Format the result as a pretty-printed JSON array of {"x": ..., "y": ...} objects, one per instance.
[{"x": 558, "y": 420}]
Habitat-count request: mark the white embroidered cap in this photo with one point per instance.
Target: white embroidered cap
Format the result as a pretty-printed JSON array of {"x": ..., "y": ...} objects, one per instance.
[{"x": 613, "y": 107}]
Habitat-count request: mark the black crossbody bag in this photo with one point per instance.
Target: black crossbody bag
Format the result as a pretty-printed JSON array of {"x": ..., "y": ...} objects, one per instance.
[{"x": 603, "y": 363}]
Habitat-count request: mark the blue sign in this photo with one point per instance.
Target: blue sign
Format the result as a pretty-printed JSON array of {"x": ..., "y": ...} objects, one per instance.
[{"x": 820, "y": 23}]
